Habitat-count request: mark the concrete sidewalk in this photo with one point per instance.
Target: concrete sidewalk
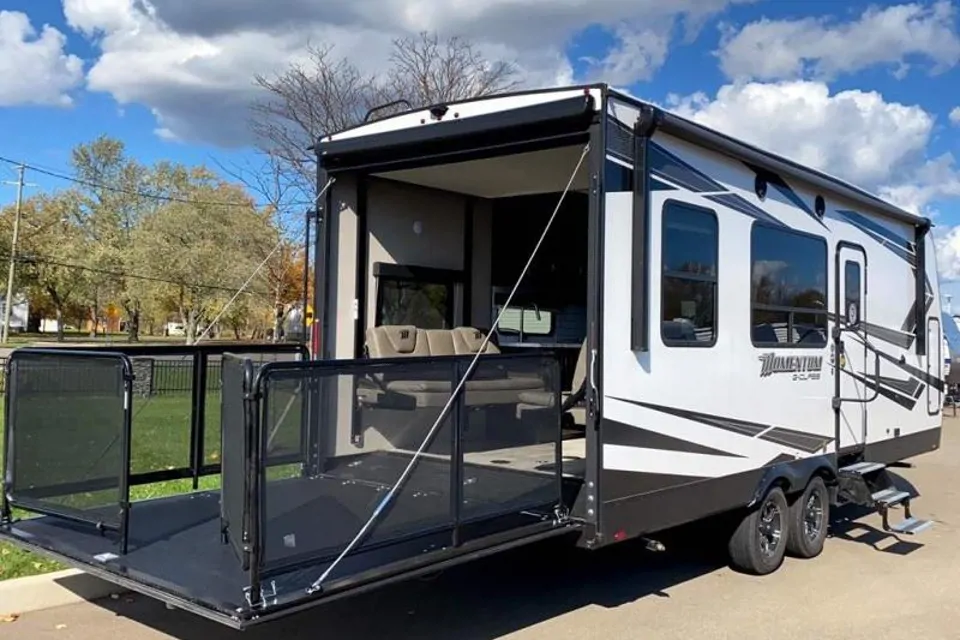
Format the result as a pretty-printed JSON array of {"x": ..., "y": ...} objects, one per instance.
[{"x": 867, "y": 584}]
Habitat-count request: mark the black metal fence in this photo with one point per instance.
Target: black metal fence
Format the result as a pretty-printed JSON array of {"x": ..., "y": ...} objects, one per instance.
[
  {"x": 363, "y": 421},
  {"x": 175, "y": 418},
  {"x": 158, "y": 376},
  {"x": 310, "y": 450}
]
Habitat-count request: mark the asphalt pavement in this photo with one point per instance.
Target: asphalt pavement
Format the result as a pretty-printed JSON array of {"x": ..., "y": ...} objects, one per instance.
[{"x": 867, "y": 584}]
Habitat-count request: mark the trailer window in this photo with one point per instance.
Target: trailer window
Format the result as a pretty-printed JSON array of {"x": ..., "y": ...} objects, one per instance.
[
  {"x": 788, "y": 292},
  {"x": 418, "y": 296},
  {"x": 689, "y": 275},
  {"x": 851, "y": 288}
]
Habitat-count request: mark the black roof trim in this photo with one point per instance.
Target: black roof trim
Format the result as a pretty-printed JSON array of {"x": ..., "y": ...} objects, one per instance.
[
  {"x": 531, "y": 122},
  {"x": 700, "y": 135}
]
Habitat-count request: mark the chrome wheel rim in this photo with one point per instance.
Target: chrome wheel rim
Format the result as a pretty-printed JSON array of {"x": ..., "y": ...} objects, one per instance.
[
  {"x": 770, "y": 528},
  {"x": 813, "y": 516}
]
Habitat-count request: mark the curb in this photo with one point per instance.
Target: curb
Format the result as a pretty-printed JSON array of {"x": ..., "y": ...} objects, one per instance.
[{"x": 35, "y": 593}]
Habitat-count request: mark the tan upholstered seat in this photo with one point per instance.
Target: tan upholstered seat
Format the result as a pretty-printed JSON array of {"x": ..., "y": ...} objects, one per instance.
[
  {"x": 404, "y": 341},
  {"x": 396, "y": 341},
  {"x": 569, "y": 399},
  {"x": 396, "y": 394}
]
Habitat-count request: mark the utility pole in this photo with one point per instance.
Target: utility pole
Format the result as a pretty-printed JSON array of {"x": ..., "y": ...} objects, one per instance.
[{"x": 8, "y": 301}]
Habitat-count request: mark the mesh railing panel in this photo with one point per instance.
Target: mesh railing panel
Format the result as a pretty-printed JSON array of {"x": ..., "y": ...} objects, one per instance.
[
  {"x": 370, "y": 417},
  {"x": 512, "y": 422},
  {"x": 211, "y": 422},
  {"x": 67, "y": 421},
  {"x": 236, "y": 434},
  {"x": 162, "y": 413}
]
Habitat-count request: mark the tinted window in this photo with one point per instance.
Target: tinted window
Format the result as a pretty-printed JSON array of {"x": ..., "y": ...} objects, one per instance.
[
  {"x": 851, "y": 288},
  {"x": 422, "y": 304},
  {"x": 689, "y": 275},
  {"x": 788, "y": 287}
]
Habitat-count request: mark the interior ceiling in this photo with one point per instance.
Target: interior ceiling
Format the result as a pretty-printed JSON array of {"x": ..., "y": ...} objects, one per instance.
[{"x": 545, "y": 171}]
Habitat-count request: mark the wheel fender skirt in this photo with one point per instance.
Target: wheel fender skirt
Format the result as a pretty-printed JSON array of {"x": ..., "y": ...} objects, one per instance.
[{"x": 793, "y": 474}]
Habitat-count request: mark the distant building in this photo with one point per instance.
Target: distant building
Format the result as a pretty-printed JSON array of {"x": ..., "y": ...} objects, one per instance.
[{"x": 19, "y": 313}]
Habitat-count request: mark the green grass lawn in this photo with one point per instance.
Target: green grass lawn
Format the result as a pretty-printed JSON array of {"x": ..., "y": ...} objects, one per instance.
[{"x": 77, "y": 437}]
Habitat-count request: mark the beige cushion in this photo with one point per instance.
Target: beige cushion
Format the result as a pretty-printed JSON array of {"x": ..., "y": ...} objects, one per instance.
[
  {"x": 396, "y": 341},
  {"x": 467, "y": 340},
  {"x": 440, "y": 342}
]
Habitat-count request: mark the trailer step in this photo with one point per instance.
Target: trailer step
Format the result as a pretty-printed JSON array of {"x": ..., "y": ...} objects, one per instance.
[
  {"x": 890, "y": 497},
  {"x": 863, "y": 468},
  {"x": 911, "y": 526}
]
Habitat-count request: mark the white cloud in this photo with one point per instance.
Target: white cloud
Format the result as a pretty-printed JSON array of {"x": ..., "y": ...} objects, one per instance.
[
  {"x": 813, "y": 47},
  {"x": 34, "y": 69},
  {"x": 947, "y": 242},
  {"x": 192, "y": 62},
  {"x": 955, "y": 116},
  {"x": 855, "y": 135}
]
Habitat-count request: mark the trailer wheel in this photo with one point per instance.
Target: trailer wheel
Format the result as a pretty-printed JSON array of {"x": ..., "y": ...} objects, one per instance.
[
  {"x": 759, "y": 542},
  {"x": 809, "y": 520}
]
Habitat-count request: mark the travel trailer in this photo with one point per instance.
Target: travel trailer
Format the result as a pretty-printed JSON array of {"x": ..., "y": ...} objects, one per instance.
[{"x": 551, "y": 313}]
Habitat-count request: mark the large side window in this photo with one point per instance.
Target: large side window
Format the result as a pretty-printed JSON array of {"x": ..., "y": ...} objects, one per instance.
[
  {"x": 689, "y": 275},
  {"x": 788, "y": 292}
]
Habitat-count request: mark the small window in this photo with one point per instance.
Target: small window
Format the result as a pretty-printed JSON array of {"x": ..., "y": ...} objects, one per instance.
[
  {"x": 689, "y": 276},
  {"x": 851, "y": 287},
  {"x": 788, "y": 294}
]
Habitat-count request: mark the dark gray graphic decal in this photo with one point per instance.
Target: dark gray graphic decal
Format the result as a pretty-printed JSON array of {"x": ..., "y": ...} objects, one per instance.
[
  {"x": 738, "y": 203},
  {"x": 808, "y": 442},
  {"x": 664, "y": 164},
  {"x": 618, "y": 433},
  {"x": 660, "y": 185},
  {"x": 900, "y": 246},
  {"x": 781, "y": 185}
]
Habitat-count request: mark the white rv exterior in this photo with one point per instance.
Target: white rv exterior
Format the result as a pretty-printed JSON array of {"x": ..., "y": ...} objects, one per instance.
[
  {"x": 737, "y": 390},
  {"x": 753, "y": 327}
]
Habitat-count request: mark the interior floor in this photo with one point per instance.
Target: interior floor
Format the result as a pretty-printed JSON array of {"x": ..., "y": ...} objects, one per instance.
[
  {"x": 307, "y": 521},
  {"x": 537, "y": 458}
]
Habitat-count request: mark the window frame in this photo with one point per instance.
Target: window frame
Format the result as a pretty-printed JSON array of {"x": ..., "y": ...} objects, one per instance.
[
  {"x": 788, "y": 309},
  {"x": 388, "y": 272},
  {"x": 715, "y": 280}
]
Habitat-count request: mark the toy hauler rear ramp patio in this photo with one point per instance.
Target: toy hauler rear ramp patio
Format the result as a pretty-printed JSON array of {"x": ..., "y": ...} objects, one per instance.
[{"x": 554, "y": 313}]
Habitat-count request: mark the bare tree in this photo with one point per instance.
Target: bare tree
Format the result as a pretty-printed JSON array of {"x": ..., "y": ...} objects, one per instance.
[
  {"x": 303, "y": 103},
  {"x": 426, "y": 70},
  {"x": 328, "y": 93}
]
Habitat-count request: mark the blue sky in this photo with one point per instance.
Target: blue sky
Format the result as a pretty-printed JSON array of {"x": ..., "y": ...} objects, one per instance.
[{"x": 863, "y": 90}]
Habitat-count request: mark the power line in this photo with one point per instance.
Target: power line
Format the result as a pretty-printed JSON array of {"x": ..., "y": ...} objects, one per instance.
[
  {"x": 143, "y": 194},
  {"x": 34, "y": 258},
  {"x": 38, "y": 258}
]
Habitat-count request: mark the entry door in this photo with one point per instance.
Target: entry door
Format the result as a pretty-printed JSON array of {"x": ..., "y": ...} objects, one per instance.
[{"x": 852, "y": 360}]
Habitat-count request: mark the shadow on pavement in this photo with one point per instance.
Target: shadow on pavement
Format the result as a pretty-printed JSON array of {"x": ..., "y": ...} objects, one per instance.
[
  {"x": 485, "y": 599},
  {"x": 845, "y": 525}
]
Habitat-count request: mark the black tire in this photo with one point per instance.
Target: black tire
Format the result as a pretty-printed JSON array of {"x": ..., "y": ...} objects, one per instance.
[
  {"x": 759, "y": 542},
  {"x": 809, "y": 520}
]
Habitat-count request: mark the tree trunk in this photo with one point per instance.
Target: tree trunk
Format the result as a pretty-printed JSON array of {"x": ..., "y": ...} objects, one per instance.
[
  {"x": 133, "y": 322},
  {"x": 277, "y": 315},
  {"x": 190, "y": 325},
  {"x": 59, "y": 307}
]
